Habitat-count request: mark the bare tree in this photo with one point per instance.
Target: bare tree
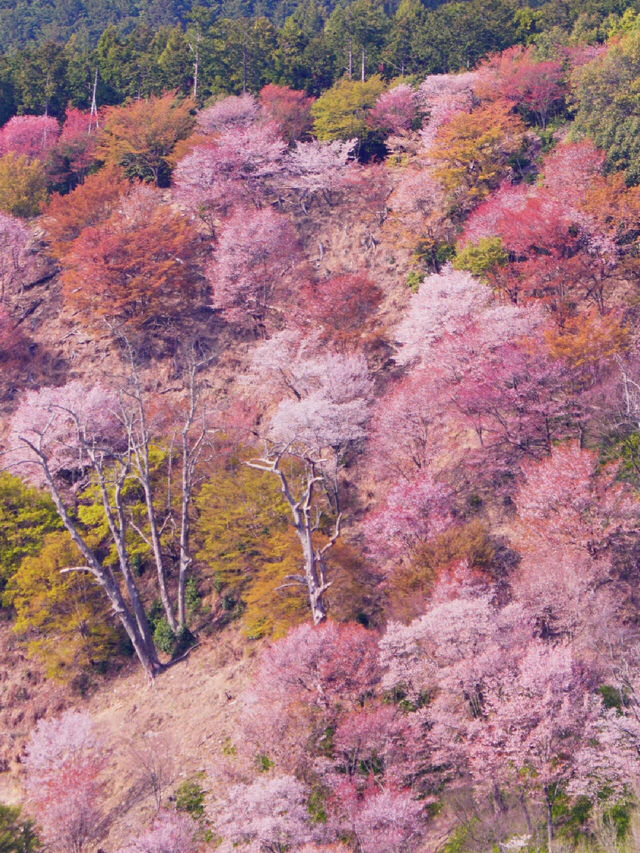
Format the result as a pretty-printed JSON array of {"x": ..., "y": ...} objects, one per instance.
[
  {"x": 153, "y": 763},
  {"x": 103, "y": 437}
]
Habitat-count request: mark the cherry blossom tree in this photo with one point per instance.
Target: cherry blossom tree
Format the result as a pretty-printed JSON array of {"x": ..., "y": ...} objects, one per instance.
[
  {"x": 405, "y": 426},
  {"x": 288, "y": 108},
  {"x": 31, "y": 135},
  {"x": 395, "y": 110},
  {"x": 171, "y": 833},
  {"x": 412, "y": 512},
  {"x": 270, "y": 814},
  {"x": 236, "y": 169},
  {"x": 437, "y": 308},
  {"x": 536, "y": 86},
  {"x": 233, "y": 112},
  {"x": 75, "y": 149},
  {"x": 571, "y": 523},
  {"x": 63, "y": 762},
  {"x": 535, "y": 718},
  {"x": 255, "y": 251},
  {"x": 441, "y": 96},
  {"x": 313, "y": 168},
  {"x": 309, "y": 680},
  {"x": 380, "y": 820}
]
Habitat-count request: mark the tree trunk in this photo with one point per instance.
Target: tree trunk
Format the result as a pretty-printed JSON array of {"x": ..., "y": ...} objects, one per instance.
[
  {"x": 350, "y": 60},
  {"x": 549, "y": 823},
  {"x": 244, "y": 68},
  {"x": 136, "y": 627},
  {"x": 362, "y": 65},
  {"x": 196, "y": 65}
]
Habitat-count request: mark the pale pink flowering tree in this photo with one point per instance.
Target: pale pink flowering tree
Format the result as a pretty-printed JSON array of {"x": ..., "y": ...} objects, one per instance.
[
  {"x": 442, "y": 96},
  {"x": 318, "y": 168},
  {"x": 412, "y": 512},
  {"x": 232, "y": 112},
  {"x": 31, "y": 135},
  {"x": 324, "y": 413},
  {"x": 535, "y": 717},
  {"x": 395, "y": 110},
  {"x": 380, "y": 820},
  {"x": 569, "y": 169},
  {"x": 63, "y": 761},
  {"x": 74, "y": 429},
  {"x": 268, "y": 815},
  {"x": 374, "y": 739},
  {"x": 455, "y": 628},
  {"x": 235, "y": 169},
  {"x": 171, "y": 833},
  {"x": 570, "y": 524},
  {"x": 406, "y": 428},
  {"x": 437, "y": 308},
  {"x": 62, "y": 429},
  {"x": 305, "y": 682},
  {"x": 255, "y": 251}
]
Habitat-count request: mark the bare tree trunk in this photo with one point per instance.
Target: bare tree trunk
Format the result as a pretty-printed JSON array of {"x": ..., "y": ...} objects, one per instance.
[
  {"x": 362, "y": 65},
  {"x": 549, "y": 823},
  {"x": 196, "y": 67},
  {"x": 135, "y": 625},
  {"x": 350, "y": 60},
  {"x": 244, "y": 68},
  {"x": 314, "y": 568}
]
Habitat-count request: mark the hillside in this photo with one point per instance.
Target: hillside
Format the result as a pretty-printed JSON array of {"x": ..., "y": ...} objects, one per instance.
[{"x": 320, "y": 428}]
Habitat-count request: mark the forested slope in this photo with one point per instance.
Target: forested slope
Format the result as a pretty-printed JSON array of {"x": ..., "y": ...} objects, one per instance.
[{"x": 320, "y": 428}]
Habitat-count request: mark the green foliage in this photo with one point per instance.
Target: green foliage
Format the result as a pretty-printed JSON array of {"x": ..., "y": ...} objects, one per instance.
[
  {"x": 341, "y": 113},
  {"x": 190, "y": 798},
  {"x": 482, "y": 257},
  {"x": 414, "y": 280},
  {"x": 317, "y": 804},
  {"x": 264, "y": 763},
  {"x": 607, "y": 103},
  {"x": 26, "y": 517},
  {"x": 611, "y": 697},
  {"x": 163, "y": 637},
  {"x": 432, "y": 254},
  {"x": 63, "y": 615},
  {"x": 16, "y": 835},
  {"x": 229, "y": 748},
  {"x": 192, "y": 598},
  {"x": 249, "y": 548}
]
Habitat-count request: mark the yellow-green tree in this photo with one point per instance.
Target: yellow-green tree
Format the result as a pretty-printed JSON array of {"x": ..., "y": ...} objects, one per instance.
[
  {"x": 26, "y": 517},
  {"x": 23, "y": 185},
  {"x": 63, "y": 615},
  {"x": 341, "y": 113},
  {"x": 249, "y": 547}
]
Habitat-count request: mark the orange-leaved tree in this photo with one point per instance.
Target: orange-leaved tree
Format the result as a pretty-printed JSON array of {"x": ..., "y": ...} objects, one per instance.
[
  {"x": 140, "y": 265},
  {"x": 140, "y": 135},
  {"x": 88, "y": 204},
  {"x": 474, "y": 151}
]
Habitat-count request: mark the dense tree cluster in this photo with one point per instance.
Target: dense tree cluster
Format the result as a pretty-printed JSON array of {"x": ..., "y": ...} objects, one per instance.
[{"x": 373, "y": 391}]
